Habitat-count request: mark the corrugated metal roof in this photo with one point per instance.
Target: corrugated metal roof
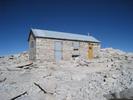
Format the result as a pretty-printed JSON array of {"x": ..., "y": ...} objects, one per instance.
[{"x": 62, "y": 35}]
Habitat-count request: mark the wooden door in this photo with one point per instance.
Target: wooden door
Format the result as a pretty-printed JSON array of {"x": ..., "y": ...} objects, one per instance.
[{"x": 90, "y": 51}]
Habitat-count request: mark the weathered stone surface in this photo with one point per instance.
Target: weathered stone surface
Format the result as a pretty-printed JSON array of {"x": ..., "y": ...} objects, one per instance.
[
  {"x": 44, "y": 49},
  {"x": 102, "y": 78}
]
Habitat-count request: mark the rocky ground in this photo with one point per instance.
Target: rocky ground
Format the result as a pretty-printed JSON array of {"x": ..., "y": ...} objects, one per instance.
[{"x": 108, "y": 76}]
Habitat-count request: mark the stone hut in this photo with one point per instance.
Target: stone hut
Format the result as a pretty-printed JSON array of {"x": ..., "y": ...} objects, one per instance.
[{"x": 45, "y": 45}]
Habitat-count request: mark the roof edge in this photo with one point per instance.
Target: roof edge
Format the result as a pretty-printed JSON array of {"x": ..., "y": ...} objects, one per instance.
[
  {"x": 31, "y": 33},
  {"x": 33, "y": 30},
  {"x": 66, "y": 39}
]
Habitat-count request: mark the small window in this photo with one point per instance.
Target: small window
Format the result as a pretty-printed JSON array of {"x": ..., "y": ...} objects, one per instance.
[
  {"x": 75, "y": 49},
  {"x": 74, "y": 56},
  {"x": 90, "y": 47},
  {"x": 32, "y": 44}
]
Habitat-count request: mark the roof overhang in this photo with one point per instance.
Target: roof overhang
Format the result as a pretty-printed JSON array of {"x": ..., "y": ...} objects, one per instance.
[{"x": 45, "y": 34}]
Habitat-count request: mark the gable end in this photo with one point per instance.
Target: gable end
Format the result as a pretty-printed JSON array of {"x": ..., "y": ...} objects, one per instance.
[{"x": 31, "y": 33}]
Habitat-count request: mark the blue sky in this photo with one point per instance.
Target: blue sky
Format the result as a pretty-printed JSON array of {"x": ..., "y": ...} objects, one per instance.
[{"x": 110, "y": 21}]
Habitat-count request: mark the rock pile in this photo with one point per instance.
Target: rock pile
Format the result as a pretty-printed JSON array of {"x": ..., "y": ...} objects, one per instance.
[
  {"x": 14, "y": 59},
  {"x": 108, "y": 76}
]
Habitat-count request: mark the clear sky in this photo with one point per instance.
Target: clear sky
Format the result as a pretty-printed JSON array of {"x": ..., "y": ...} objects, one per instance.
[{"x": 110, "y": 21}]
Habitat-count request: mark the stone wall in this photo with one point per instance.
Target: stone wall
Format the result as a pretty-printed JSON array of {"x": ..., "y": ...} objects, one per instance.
[
  {"x": 84, "y": 50},
  {"x": 67, "y": 50},
  {"x": 32, "y": 48},
  {"x": 96, "y": 49},
  {"x": 45, "y": 50}
]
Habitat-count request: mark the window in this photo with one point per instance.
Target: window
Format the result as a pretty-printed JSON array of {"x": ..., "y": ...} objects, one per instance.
[
  {"x": 74, "y": 56},
  {"x": 76, "y": 47}
]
